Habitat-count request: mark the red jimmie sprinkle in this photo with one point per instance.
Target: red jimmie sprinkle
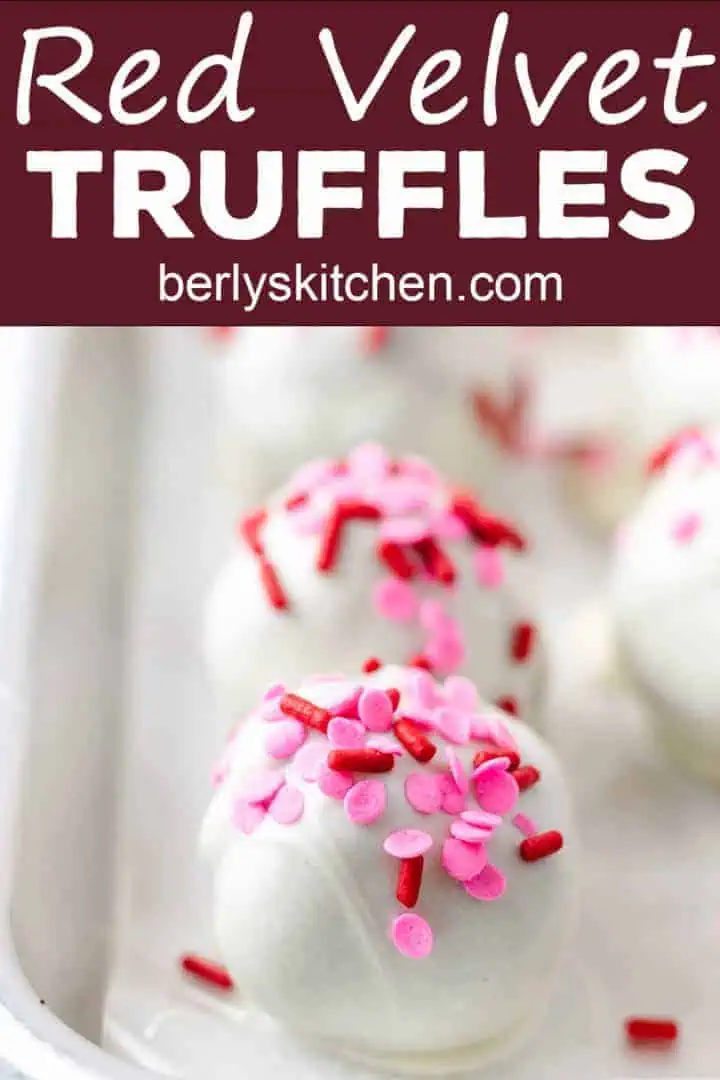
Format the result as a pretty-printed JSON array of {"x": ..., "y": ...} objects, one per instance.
[
  {"x": 394, "y": 696},
  {"x": 296, "y": 501},
  {"x": 489, "y": 755},
  {"x": 330, "y": 542},
  {"x": 526, "y": 776},
  {"x": 420, "y": 661},
  {"x": 659, "y": 459},
  {"x": 273, "y": 589},
  {"x": 651, "y": 1031},
  {"x": 483, "y": 526},
  {"x": 522, "y": 642},
  {"x": 508, "y": 704},
  {"x": 409, "y": 880},
  {"x": 250, "y": 527},
  {"x": 371, "y": 664},
  {"x": 414, "y": 740},
  {"x": 435, "y": 560},
  {"x": 540, "y": 846},
  {"x": 366, "y": 760},
  {"x": 207, "y": 971},
  {"x": 376, "y": 338},
  {"x": 304, "y": 711},
  {"x": 396, "y": 560},
  {"x": 357, "y": 510}
]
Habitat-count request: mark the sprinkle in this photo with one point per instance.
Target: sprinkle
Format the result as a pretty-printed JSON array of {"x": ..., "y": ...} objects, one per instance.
[
  {"x": 371, "y": 664},
  {"x": 207, "y": 971},
  {"x": 303, "y": 710},
  {"x": 330, "y": 543},
  {"x": 394, "y": 695},
  {"x": 386, "y": 743},
  {"x": 293, "y": 502},
  {"x": 540, "y": 845},
  {"x": 525, "y": 825},
  {"x": 453, "y": 725},
  {"x": 273, "y": 692},
  {"x": 433, "y": 616},
  {"x": 420, "y": 662},
  {"x": 651, "y": 1030},
  {"x": 250, "y": 528},
  {"x": 481, "y": 819},
  {"x": 288, "y": 805},
  {"x": 485, "y": 528},
  {"x": 446, "y": 526},
  {"x": 403, "y": 530},
  {"x": 365, "y": 760},
  {"x": 407, "y": 843},
  {"x": 488, "y": 567},
  {"x": 411, "y": 936},
  {"x": 365, "y": 802},
  {"x": 339, "y": 696},
  {"x": 262, "y": 785},
  {"x": 368, "y": 460},
  {"x": 436, "y": 561},
  {"x": 273, "y": 589},
  {"x": 496, "y": 791},
  {"x": 463, "y": 861},
  {"x": 460, "y": 693},
  {"x": 489, "y": 884},
  {"x": 309, "y": 761},
  {"x": 334, "y": 784},
  {"x": 395, "y": 600},
  {"x": 375, "y": 710},
  {"x": 453, "y": 801},
  {"x": 686, "y": 528},
  {"x": 375, "y": 338},
  {"x": 358, "y": 510},
  {"x": 526, "y": 777},
  {"x": 424, "y": 793},
  {"x": 522, "y": 642},
  {"x": 660, "y": 458},
  {"x": 247, "y": 818},
  {"x": 346, "y": 734},
  {"x": 457, "y": 770},
  {"x": 416, "y": 744},
  {"x": 483, "y": 756},
  {"x": 446, "y": 653},
  {"x": 424, "y": 688},
  {"x": 284, "y": 738},
  {"x": 409, "y": 880},
  {"x": 508, "y": 704},
  {"x": 470, "y": 834},
  {"x": 395, "y": 559}
]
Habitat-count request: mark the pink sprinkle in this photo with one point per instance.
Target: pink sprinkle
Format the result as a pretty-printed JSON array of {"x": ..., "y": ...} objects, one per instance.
[
  {"x": 261, "y": 786},
  {"x": 446, "y": 654},
  {"x": 309, "y": 760},
  {"x": 288, "y": 805},
  {"x": 452, "y": 725},
  {"x": 365, "y": 802},
  {"x": 284, "y": 738},
  {"x": 453, "y": 801},
  {"x": 333, "y": 783},
  {"x": 491, "y": 729},
  {"x": 417, "y": 468},
  {"x": 488, "y": 567},
  {"x": 411, "y": 936},
  {"x": 337, "y": 695},
  {"x": 424, "y": 690},
  {"x": 311, "y": 475},
  {"x": 275, "y": 691},
  {"x": 403, "y": 530},
  {"x": 493, "y": 764},
  {"x": 686, "y": 528},
  {"x": 463, "y": 861},
  {"x": 489, "y": 884},
  {"x": 346, "y": 734},
  {"x": 246, "y": 817},
  {"x": 407, "y": 843},
  {"x": 481, "y": 819},
  {"x": 471, "y": 834},
  {"x": 457, "y": 770},
  {"x": 369, "y": 461},
  {"x": 497, "y": 792},
  {"x": 432, "y": 615},
  {"x": 395, "y": 600},
  {"x": 385, "y": 743},
  {"x": 424, "y": 792},
  {"x": 460, "y": 693},
  {"x": 446, "y": 526},
  {"x": 375, "y": 710},
  {"x": 524, "y": 824}
]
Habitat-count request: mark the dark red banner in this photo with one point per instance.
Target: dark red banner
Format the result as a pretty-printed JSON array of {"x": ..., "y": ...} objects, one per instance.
[{"x": 365, "y": 161}]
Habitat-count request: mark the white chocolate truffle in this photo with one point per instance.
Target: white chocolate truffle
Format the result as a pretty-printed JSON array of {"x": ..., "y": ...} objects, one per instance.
[
  {"x": 391, "y": 887},
  {"x": 374, "y": 557},
  {"x": 666, "y": 600}
]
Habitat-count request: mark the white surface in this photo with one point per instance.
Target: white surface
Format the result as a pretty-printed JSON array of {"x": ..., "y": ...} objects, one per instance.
[{"x": 648, "y": 942}]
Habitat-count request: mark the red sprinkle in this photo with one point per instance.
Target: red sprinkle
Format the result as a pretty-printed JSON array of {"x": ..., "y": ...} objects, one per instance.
[
  {"x": 296, "y": 501},
  {"x": 371, "y": 664},
  {"x": 376, "y": 338},
  {"x": 394, "y": 696},
  {"x": 357, "y": 510},
  {"x": 395, "y": 559},
  {"x": 414, "y": 740},
  {"x": 304, "y": 711},
  {"x": 485, "y": 527},
  {"x": 420, "y": 661},
  {"x": 250, "y": 527},
  {"x": 489, "y": 755},
  {"x": 207, "y": 971},
  {"x": 651, "y": 1030},
  {"x": 365, "y": 760},
  {"x": 271, "y": 584},
  {"x": 409, "y": 880},
  {"x": 526, "y": 776},
  {"x": 522, "y": 642},
  {"x": 541, "y": 845},
  {"x": 435, "y": 560},
  {"x": 663, "y": 454},
  {"x": 508, "y": 705},
  {"x": 330, "y": 543}
]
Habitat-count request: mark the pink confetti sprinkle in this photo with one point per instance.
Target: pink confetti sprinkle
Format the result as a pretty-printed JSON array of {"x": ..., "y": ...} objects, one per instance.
[
  {"x": 395, "y": 600},
  {"x": 346, "y": 734},
  {"x": 246, "y": 817},
  {"x": 261, "y": 786},
  {"x": 284, "y": 738},
  {"x": 460, "y": 693},
  {"x": 370, "y": 461},
  {"x": 310, "y": 476},
  {"x": 457, "y": 770},
  {"x": 488, "y": 567},
  {"x": 424, "y": 690},
  {"x": 375, "y": 710},
  {"x": 496, "y": 764},
  {"x": 403, "y": 530},
  {"x": 308, "y": 521},
  {"x": 453, "y": 801},
  {"x": 365, "y": 802},
  {"x": 686, "y": 528},
  {"x": 446, "y": 654},
  {"x": 463, "y": 861},
  {"x": 452, "y": 725},
  {"x": 424, "y": 792},
  {"x": 497, "y": 792},
  {"x": 482, "y": 819},
  {"x": 470, "y": 834},
  {"x": 386, "y": 743},
  {"x": 407, "y": 843},
  {"x": 525, "y": 824},
  {"x": 309, "y": 760},
  {"x": 446, "y": 526},
  {"x": 333, "y": 783},
  {"x": 411, "y": 936},
  {"x": 288, "y": 805},
  {"x": 432, "y": 615},
  {"x": 274, "y": 692},
  {"x": 489, "y": 884}
]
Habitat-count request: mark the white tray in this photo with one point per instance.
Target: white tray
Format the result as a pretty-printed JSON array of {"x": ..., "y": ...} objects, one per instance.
[{"x": 105, "y": 756}]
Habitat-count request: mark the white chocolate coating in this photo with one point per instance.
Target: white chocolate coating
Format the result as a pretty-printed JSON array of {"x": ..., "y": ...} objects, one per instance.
[
  {"x": 666, "y": 604},
  {"x": 302, "y": 911}
]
